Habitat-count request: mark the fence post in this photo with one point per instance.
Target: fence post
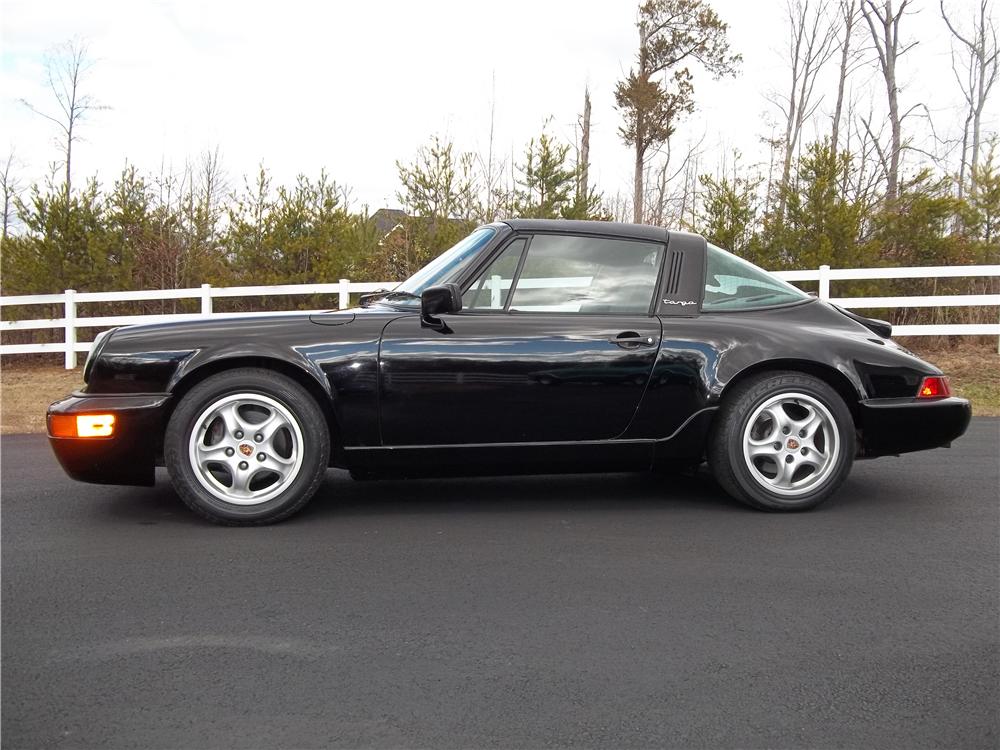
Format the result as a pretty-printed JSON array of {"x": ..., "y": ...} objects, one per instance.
[
  {"x": 495, "y": 281},
  {"x": 70, "y": 316},
  {"x": 344, "y": 299},
  {"x": 824, "y": 282},
  {"x": 206, "y": 299}
]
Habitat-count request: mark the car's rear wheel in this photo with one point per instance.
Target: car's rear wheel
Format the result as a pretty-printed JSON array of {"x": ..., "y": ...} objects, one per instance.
[
  {"x": 784, "y": 441},
  {"x": 247, "y": 446}
]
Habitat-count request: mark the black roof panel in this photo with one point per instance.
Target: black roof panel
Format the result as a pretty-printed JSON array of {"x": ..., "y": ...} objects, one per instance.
[{"x": 608, "y": 228}]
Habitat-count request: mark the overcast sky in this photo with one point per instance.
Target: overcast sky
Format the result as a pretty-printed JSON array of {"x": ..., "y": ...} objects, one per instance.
[{"x": 354, "y": 86}]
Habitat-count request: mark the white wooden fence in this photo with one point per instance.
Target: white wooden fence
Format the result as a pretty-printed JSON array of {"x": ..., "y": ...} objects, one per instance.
[{"x": 71, "y": 321}]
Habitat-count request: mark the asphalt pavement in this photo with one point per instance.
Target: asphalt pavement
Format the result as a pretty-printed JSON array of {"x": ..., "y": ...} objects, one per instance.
[{"x": 611, "y": 610}]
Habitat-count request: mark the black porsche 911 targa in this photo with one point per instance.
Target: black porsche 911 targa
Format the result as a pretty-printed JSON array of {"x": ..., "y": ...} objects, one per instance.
[{"x": 530, "y": 346}]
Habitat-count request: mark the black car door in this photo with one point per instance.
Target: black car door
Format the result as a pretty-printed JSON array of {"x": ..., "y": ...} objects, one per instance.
[{"x": 555, "y": 342}]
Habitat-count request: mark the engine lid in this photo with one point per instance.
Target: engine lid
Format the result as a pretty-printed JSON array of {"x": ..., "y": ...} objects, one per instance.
[{"x": 882, "y": 328}]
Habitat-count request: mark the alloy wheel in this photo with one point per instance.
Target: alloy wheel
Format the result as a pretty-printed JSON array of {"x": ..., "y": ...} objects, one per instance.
[
  {"x": 246, "y": 448},
  {"x": 791, "y": 444}
]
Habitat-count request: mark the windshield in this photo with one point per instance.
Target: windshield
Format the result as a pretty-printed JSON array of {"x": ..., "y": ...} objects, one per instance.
[
  {"x": 732, "y": 283},
  {"x": 444, "y": 268}
]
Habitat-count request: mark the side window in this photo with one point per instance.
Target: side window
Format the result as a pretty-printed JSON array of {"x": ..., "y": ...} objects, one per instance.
[
  {"x": 491, "y": 290},
  {"x": 564, "y": 273},
  {"x": 732, "y": 283}
]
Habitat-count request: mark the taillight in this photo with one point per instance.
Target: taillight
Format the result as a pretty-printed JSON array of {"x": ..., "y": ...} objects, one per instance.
[
  {"x": 82, "y": 425},
  {"x": 935, "y": 386}
]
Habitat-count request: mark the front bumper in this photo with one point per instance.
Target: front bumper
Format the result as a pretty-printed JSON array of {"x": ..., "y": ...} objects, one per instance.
[
  {"x": 890, "y": 426},
  {"x": 128, "y": 456}
]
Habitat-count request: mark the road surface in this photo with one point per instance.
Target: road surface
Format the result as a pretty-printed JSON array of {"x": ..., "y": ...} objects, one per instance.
[{"x": 610, "y": 611}]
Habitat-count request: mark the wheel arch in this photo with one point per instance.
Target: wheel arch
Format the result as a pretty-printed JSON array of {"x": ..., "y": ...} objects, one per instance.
[
  {"x": 829, "y": 374},
  {"x": 305, "y": 379}
]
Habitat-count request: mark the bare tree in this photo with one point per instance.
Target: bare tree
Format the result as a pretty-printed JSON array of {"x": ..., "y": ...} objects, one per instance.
[
  {"x": 859, "y": 183},
  {"x": 672, "y": 35},
  {"x": 492, "y": 171},
  {"x": 883, "y": 23},
  {"x": 184, "y": 241},
  {"x": 212, "y": 187},
  {"x": 11, "y": 188},
  {"x": 810, "y": 45},
  {"x": 584, "y": 188},
  {"x": 667, "y": 203},
  {"x": 774, "y": 145},
  {"x": 66, "y": 67},
  {"x": 848, "y": 12},
  {"x": 976, "y": 73},
  {"x": 875, "y": 141},
  {"x": 617, "y": 207}
]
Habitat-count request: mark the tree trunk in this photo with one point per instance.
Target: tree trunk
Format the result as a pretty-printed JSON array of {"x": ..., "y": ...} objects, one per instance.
[
  {"x": 637, "y": 185},
  {"x": 892, "y": 181},
  {"x": 640, "y": 133},
  {"x": 845, "y": 55},
  {"x": 786, "y": 165},
  {"x": 982, "y": 89},
  {"x": 798, "y": 28},
  {"x": 585, "y": 147},
  {"x": 810, "y": 48},
  {"x": 8, "y": 185},
  {"x": 71, "y": 115},
  {"x": 886, "y": 42},
  {"x": 69, "y": 161},
  {"x": 963, "y": 161},
  {"x": 982, "y": 70}
]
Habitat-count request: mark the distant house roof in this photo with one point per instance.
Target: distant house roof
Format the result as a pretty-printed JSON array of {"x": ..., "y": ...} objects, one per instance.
[{"x": 387, "y": 219}]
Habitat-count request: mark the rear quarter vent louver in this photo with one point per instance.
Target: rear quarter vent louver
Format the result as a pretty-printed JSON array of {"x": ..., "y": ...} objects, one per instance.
[{"x": 675, "y": 262}]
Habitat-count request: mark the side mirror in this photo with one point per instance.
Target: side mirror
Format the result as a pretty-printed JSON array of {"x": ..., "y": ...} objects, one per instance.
[{"x": 437, "y": 300}]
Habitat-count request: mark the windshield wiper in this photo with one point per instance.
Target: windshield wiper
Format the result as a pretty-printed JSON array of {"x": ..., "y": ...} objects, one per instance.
[{"x": 401, "y": 295}]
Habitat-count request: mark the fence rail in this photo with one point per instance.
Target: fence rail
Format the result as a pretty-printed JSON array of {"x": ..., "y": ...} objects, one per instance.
[{"x": 71, "y": 322}]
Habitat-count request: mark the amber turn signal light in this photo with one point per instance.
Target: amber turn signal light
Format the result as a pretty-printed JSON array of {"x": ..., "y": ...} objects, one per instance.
[
  {"x": 935, "y": 386},
  {"x": 82, "y": 425}
]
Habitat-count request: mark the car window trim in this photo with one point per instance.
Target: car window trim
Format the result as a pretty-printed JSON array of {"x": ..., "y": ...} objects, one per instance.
[
  {"x": 501, "y": 243},
  {"x": 517, "y": 273},
  {"x": 492, "y": 257}
]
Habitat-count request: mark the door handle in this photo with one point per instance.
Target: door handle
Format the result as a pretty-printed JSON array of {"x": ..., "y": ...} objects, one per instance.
[{"x": 633, "y": 340}]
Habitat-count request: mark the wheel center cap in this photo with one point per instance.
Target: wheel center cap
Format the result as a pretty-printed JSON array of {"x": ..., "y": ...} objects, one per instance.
[
  {"x": 245, "y": 449},
  {"x": 793, "y": 444}
]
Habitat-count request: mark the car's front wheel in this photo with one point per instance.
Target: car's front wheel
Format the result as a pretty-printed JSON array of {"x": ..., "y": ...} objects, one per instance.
[
  {"x": 784, "y": 441},
  {"x": 247, "y": 446}
]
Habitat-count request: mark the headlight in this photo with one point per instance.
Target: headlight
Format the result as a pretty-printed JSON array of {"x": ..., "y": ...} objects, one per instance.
[{"x": 95, "y": 352}]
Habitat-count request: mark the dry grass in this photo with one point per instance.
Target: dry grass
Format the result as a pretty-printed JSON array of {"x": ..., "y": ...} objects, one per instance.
[
  {"x": 27, "y": 389},
  {"x": 972, "y": 369}
]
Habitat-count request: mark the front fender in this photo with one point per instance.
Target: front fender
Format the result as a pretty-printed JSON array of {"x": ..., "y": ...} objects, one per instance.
[
  {"x": 238, "y": 352},
  {"x": 338, "y": 363},
  {"x": 156, "y": 358}
]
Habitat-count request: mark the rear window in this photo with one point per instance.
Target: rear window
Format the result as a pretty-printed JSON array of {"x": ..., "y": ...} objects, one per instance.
[{"x": 732, "y": 283}]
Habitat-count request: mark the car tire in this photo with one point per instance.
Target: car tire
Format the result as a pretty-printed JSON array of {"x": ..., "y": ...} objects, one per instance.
[
  {"x": 247, "y": 447},
  {"x": 784, "y": 441}
]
